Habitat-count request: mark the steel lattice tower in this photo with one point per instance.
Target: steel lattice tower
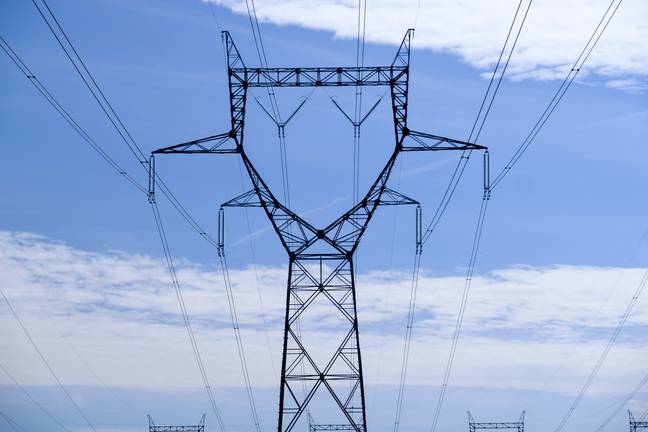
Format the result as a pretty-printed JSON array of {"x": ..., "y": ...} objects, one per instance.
[
  {"x": 474, "y": 426},
  {"x": 320, "y": 259},
  {"x": 200, "y": 427},
  {"x": 637, "y": 425}
]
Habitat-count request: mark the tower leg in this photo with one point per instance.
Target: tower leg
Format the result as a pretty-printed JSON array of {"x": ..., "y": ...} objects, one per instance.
[{"x": 321, "y": 373}]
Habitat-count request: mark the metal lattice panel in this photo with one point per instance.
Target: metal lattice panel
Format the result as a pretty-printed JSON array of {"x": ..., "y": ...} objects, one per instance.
[
  {"x": 474, "y": 426},
  {"x": 200, "y": 427},
  {"x": 637, "y": 425}
]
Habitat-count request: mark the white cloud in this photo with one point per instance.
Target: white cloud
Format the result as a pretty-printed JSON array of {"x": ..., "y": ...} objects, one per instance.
[
  {"x": 630, "y": 85},
  {"x": 118, "y": 311},
  {"x": 554, "y": 34}
]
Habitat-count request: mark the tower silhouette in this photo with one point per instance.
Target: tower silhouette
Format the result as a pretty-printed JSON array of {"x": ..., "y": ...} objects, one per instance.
[{"x": 321, "y": 264}]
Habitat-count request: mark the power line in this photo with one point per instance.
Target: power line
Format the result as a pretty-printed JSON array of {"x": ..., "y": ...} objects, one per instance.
[
  {"x": 184, "y": 213},
  {"x": 276, "y": 114},
  {"x": 15, "y": 426},
  {"x": 462, "y": 310},
  {"x": 500, "y": 177},
  {"x": 387, "y": 296},
  {"x": 183, "y": 308},
  {"x": 562, "y": 89},
  {"x": 70, "y": 120},
  {"x": 239, "y": 341},
  {"x": 644, "y": 415},
  {"x": 66, "y": 340},
  {"x": 33, "y": 400},
  {"x": 480, "y": 119},
  {"x": 605, "y": 352},
  {"x": 108, "y": 110},
  {"x": 449, "y": 192},
  {"x": 213, "y": 15},
  {"x": 608, "y": 296},
  {"x": 90, "y": 82},
  {"x": 360, "y": 55},
  {"x": 623, "y": 404},
  {"x": 46, "y": 362},
  {"x": 38, "y": 85},
  {"x": 408, "y": 340},
  {"x": 256, "y": 280},
  {"x": 99, "y": 96}
]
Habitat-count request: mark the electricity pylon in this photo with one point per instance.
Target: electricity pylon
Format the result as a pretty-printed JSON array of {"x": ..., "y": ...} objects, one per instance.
[
  {"x": 321, "y": 268},
  {"x": 637, "y": 425},
  {"x": 200, "y": 427},
  {"x": 474, "y": 426}
]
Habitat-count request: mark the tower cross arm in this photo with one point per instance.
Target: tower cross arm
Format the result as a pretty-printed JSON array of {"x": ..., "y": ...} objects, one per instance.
[
  {"x": 421, "y": 141},
  {"x": 341, "y": 76},
  {"x": 220, "y": 143}
]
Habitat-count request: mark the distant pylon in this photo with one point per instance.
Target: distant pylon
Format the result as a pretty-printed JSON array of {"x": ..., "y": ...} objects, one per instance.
[
  {"x": 200, "y": 427},
  {"x": 474, "y": 426},
  {"x": 637, "y": 425}
]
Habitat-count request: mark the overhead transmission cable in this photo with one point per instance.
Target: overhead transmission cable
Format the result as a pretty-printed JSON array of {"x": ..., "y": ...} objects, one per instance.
[
  {"x": 562, "y": 89},
  {"x": 239, "y": 342},
  {"x": 624, "y": 403},
  {"x": 88, "y": 139},
  {"x": 33, "y": 399},
  {"x": 578, "y": 65},
  {"x": 484, "y": 111},
  {"x": 91, "y": 84},
  {"x": 606, "y": 350},
  {"x": 481, "y": 117},
  {"x": 225, "y": 270},
  {"x": 54, "y": 375},
  {"x": 584, "y": 55},
  {"x": 101, "y": 99},
  {"x": 462, "y": 311},
  {"x": 274, "y": 105},
  {"x": 12, "y": 423},
  {"x": 108, "y": 110},
  {"x": 183, "y": 309},
  {"x": 70, "y": 345},
  {"x": 644, "y": 415},
  {"x": 38, "y": 85},
  {"x": 360, "y": 56},
  {"x": 276, "y": 116},
  {"x": 257, "y": 281},
  {"x": 570, "y": 352}
]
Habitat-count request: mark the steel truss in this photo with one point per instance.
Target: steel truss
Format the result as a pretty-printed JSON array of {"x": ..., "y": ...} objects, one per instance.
[
  {"x": 320, "y": 259},
  {"x": 200, "y": 427},
  {"x": 474, "y": 426},
  {"x": 637, "y": 425}
]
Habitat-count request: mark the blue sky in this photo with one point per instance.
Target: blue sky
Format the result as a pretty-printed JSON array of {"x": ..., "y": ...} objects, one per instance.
[{"x": 557, "y": 251}]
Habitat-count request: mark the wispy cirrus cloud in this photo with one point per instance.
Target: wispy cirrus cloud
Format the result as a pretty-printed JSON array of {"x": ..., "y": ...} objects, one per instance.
[
  {"x": 554, "y": 34},
  {"x": 120, "y": 311}
]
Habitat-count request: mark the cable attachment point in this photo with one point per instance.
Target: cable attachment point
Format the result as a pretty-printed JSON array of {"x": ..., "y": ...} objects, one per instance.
[
  {"x": 221, "y": 232},
  {"x": 487, "y": 185},
  {"x": 419, "y": 230},
  {"x": 151, "y": 183}
]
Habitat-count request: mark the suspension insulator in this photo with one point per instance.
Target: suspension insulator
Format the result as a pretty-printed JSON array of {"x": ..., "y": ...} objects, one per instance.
[
  {"x": 486, "y": 171},
  {"x": 419, "y": 229},
  {"x": 221, "y": 231},
  {"x": 151, "y": 183}
]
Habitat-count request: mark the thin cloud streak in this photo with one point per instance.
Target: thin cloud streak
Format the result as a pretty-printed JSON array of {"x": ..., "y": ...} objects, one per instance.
[{"x": 120, "y": 312}]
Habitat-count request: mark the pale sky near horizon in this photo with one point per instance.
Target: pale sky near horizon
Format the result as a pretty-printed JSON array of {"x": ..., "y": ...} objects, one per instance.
[{"x": 563, "y": 250}]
